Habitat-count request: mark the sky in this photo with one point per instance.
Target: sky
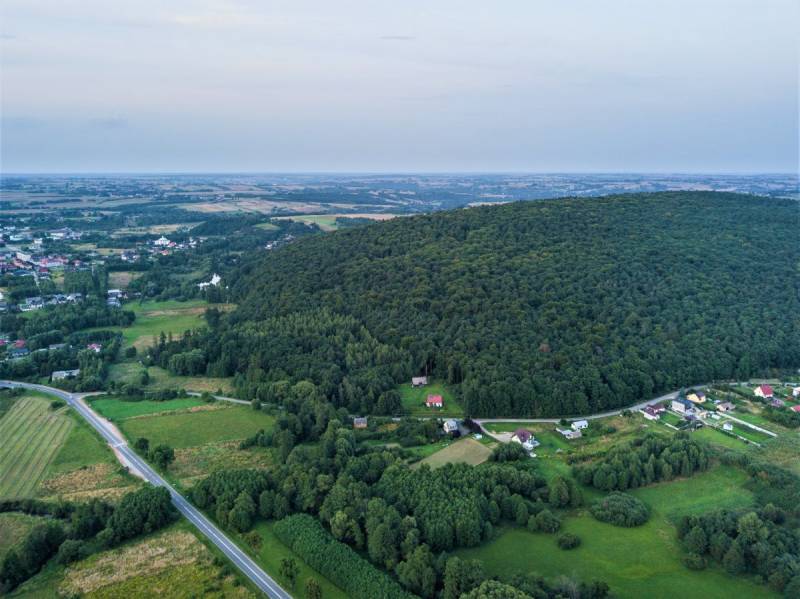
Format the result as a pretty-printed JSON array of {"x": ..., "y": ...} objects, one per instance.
[{"x": 388, "y": 86}]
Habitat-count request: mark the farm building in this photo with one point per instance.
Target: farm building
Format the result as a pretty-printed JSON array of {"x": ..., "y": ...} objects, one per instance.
[
  {"x": 725, "y": 406},
  {"x": 60, "y": 375},
  {"x": 763, "y": 391},
  {"x": 434, "y": 401},
  {"x": 727, "y": 426},
  {"x": 419, "y": 381},
  {"x": 570, "y": 433}
]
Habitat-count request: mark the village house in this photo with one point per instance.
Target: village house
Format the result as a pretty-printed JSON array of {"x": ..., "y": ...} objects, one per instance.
[
  {"x": 434, "y": 401},
  {"x": 215, "y": 280},
  {"x": 162, "y": 242},
  {"x": 95, "y": 347},
  {"x": 360, "y": 422},
  {"x": 795, "y": 391},
  {"x": 725, "y": 406},
  {"x": 579, "y": 425},
  {"x": 451, "y": 427},
  {"x": 419, "y": 381},
  {"x": 682, "y": 406},
  {"x": 796, "y": 409},
  {"x": 650, "y": 413},
  {"x": 777, "y": 403},
  {"x": 763, "y": 391},
  {"x": 727, "y": 426},
  {"x": 60, "y": 375},
  {"x": 17, "y": 353},
  {"x": 525, "y": 438},
  {"x": 696, "y": 397}
]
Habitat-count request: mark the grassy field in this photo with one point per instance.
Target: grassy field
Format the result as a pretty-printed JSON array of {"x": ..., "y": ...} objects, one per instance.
[
  {"x": 636, "y": 562},
  {"x": 115, "y": 409},
  {"x": 463, "y": 451},
  {"x": 717, "y": 437},
  {"x": 413, "y": 399},
  {"x": 171, "y": 564},
  {"x": 130, "y": 372},
  {"x": 32, "y": 435},
  {"x": 270, "y": 554},
  {"x": 122, "y": 278},
  {"x": 85, "y": 467},
  {"x": 188, "y": 429},
  {"x": 194, "y": 463},
  {"x": 13, "y": 528},
  {"x": 168, "y": 316}
]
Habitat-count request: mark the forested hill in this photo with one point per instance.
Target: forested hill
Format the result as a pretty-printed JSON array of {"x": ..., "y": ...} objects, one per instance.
[{"x": 540, "y": 308}]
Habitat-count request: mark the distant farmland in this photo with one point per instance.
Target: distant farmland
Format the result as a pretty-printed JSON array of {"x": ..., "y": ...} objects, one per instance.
[{"x": 31, "y": 436}]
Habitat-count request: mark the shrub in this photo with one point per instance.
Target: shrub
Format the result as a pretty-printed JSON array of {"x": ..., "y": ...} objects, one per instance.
[
  {"x": 620, "y": 509},
  {"x": 694, "y": 561},
  {"x": 508, "y": 452},
  {"x": 544, "y": 521},
  {"x": 568, "y": 541}
]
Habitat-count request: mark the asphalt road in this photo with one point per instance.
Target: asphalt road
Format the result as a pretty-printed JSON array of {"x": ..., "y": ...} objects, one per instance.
[{"x": 248, "y": 567}]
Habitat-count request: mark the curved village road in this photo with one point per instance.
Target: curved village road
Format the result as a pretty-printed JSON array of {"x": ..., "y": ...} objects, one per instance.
[
  {"x": 633, "y": 408},
  {"x": 129, "y": 457}
]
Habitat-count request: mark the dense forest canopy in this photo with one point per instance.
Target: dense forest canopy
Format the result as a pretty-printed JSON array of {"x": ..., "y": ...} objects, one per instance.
[{"x": 541, "y": 308}]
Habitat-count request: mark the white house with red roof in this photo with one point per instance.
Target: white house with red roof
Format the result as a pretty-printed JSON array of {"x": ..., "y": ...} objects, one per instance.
[
  {"x": 763, "y": 391},
  {"x": 434, "y": 401}
]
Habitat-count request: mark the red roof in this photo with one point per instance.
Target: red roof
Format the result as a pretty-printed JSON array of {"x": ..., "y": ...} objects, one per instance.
[
  {"x": 19, "y": 343},
  {"x": 796, "y": 408},
  {"x": 434, "y": 400},
  {"x": 766, "y": 389}
]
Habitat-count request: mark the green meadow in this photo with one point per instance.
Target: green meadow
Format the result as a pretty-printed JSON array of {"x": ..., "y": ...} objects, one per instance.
[
  {"x": 116, "y": 409},
  {"x": 636, "y": 562},
  {"x": 191, "y": 428}
]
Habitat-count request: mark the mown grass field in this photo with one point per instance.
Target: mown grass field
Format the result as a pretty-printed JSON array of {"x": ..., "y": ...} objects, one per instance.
[
  {"x": 188, "y": 429},
  {"x": 269, "y": 556},
  {"x": 636, "y": 562},
  {"x": 413, "y": 399},
  {"x": 31, "y": 435},
  {"x": 463, "y": 451},
  {"x": 116, "y": 409}
]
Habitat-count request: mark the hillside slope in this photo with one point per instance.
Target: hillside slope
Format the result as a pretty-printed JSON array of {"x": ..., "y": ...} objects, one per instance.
[{"x": 535, "y": 308}]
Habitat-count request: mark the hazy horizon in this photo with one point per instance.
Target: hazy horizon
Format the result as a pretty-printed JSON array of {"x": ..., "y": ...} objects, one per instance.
[{"x": 237, "y": 87}]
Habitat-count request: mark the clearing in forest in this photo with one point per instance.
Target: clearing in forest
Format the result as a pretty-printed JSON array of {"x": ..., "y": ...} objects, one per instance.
[{"x": 464, "y": 451}]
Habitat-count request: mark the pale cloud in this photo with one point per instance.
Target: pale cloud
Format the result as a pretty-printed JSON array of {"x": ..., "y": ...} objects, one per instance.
[{"x": 451, "y": 85}]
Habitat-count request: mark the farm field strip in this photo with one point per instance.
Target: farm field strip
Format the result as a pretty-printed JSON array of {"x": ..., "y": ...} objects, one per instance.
[{"x": 32, "y": 437}]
